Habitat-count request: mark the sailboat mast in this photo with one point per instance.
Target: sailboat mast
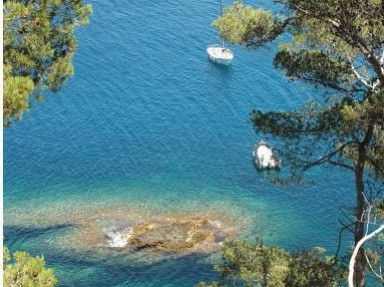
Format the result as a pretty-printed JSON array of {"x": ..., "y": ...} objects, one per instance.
[
  {"x": 221, "y": 7},
  {"x": 221, "y": 14}
]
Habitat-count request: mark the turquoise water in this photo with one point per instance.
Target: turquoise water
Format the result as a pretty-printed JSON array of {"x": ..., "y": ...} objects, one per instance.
[{"x": 149, "y": 126}]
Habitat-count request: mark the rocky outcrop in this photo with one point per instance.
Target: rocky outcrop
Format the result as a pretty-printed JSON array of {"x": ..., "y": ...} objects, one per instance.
[
  {"x": 169, "y": 236},
  {"x": 172, "y": 234},
  {"x": 173, "y": 237}
]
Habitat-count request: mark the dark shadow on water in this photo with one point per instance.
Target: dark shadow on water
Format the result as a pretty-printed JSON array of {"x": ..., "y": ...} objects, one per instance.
[
  {"x": 115, "y": 271},
  {"x": 14, "y": 233}
]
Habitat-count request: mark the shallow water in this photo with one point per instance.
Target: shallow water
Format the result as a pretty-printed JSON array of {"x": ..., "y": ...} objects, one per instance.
[{"x": 148, "y": 125}]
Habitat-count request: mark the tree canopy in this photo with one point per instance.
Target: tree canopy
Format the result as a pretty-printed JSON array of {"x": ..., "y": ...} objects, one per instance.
[
  {"x": 39, "y": 44},
  {"x": 254, "y": 264},
  {"x": 21, "y": 269},
  {"x": 338, "y": 47}
]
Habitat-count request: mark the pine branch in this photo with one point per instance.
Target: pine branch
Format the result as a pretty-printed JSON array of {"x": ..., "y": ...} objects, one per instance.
[{"x": 327, "y": 157}]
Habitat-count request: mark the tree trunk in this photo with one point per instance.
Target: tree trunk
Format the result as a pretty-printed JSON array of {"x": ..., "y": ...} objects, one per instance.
[
  {"x": 360, "y": 265},
  {"x": 359, "y": 272}
]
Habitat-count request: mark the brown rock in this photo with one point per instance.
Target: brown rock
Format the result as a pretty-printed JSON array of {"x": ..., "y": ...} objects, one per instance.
[{"x": 171, "y": 237}]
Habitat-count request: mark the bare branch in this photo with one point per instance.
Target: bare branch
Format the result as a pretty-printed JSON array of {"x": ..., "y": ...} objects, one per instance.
[
  {"x": 366, "y": 82},
  {"x": 344, "y": 227},
  {"x": 348, "y": 217},
  {"x": 342, "y": 165},
  {"x": 376, "y": 83},
  {"x": 378, "y": 275},
  {"x": 356, "y": 250},
  {"x": 368, "y": 215}
]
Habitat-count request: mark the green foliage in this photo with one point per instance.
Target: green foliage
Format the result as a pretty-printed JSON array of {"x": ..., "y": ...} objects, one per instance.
[
  {"x": 39, "y": 43},
  {"x": 254, "y": 264},
  {"x": 325, "y": 39},
  {"x": 313, "y": 66},
  {"x": 16, "y": 96},
  {"x": 22, "y": 270},
  {"x": 308, "y": 268},
  {"x": 243, "y": 24},
  {"x": 357, "y": 117},
  {"x": 337, "y": 45}
]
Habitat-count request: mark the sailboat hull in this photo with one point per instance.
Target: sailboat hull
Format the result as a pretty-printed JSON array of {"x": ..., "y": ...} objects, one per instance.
[
  {"x": 220, "y": 55},
  {"x": 224, "y": 62}
]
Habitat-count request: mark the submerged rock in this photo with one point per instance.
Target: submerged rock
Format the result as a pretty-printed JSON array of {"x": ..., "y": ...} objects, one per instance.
[
  {"x": 163, "y": 234},
  {"x": 172, "y": 237}
]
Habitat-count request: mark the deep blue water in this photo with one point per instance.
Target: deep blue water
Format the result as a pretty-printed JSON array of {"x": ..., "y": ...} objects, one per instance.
[{"x": 148, "y": 121}]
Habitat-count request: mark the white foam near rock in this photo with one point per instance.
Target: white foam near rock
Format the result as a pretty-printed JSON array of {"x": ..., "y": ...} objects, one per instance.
[{"x": 116, "y": 239}]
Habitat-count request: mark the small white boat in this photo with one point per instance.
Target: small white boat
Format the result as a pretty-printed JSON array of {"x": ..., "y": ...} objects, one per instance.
[
  {"x": 220, "y": 54},
  {"x": 265, "y": 157}
]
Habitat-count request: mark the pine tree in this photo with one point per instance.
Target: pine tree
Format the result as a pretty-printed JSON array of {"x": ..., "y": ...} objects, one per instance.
[
  {"x": 255, "y": 264},
  {"x": 337, "y": 46},
  {"x": 39, "y": 44},
  {"x": 23, "y": 270}
]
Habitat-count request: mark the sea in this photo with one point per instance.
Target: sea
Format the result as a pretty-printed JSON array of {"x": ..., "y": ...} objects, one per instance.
[{"x": 148, "y": 126}]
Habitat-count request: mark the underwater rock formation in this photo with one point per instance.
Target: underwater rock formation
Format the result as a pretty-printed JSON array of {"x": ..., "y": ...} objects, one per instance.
[
  {"x": 173, "y": 237},
  {"x": 126, "y": 230}
]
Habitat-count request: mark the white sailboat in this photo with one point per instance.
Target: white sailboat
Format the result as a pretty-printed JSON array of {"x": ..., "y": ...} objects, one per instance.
[
  {"x": 265, "y": 157},
  {"x": 219, "y": 53}
]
